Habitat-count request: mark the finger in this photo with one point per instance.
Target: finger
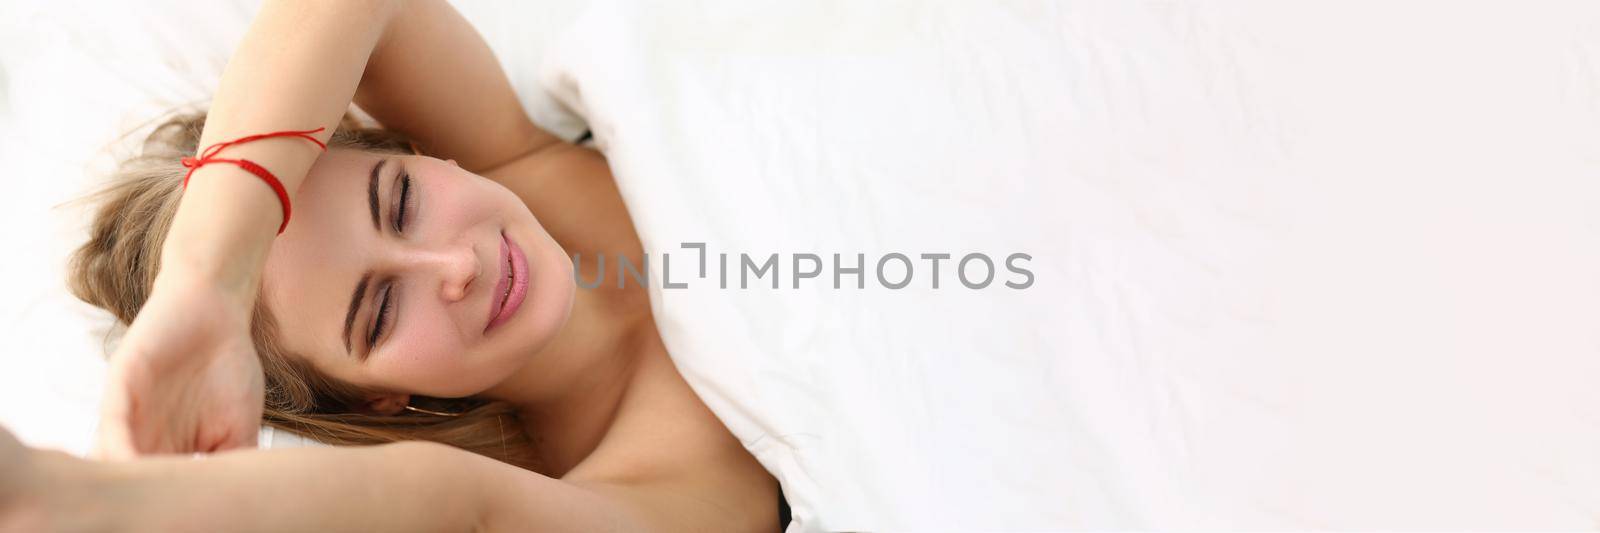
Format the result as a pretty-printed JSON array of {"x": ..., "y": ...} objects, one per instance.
[
  {"x": 143, "y": 423},
  {"x": 242, "y": 431},
  {"x": 114, "y": 437},
  {"x": 111, "y": 438},
  {"x": 242, "y": 421},
  {"x": 238, "y": 439},
  {"x": 126, "y": 429}
]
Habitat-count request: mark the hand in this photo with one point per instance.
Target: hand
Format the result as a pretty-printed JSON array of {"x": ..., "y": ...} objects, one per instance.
[{"x": 185, "y": 378}]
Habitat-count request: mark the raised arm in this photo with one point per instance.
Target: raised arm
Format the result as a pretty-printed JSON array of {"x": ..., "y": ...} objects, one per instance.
[
  {"x": 433, "y": 78},
  {"x": 409, "y": 486},
  {"x": 185, "y": 377},
  {"x": 296, "y": 68}
]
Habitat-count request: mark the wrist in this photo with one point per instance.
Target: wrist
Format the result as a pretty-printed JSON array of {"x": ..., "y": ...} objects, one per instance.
[
  {"x": 222, "y": 232},
  {"x": 227, "y": 303},
  {"x": 216, "y": 277}
]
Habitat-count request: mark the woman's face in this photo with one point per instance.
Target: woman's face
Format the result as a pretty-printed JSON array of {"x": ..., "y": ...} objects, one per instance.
[{"x": 406, "y": 274}]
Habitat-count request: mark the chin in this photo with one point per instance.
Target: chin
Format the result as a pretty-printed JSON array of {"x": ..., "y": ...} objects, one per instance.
[{"x": 551, "y": 291}]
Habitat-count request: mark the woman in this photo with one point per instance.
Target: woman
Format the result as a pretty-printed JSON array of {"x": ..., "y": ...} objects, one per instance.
[{"x": 408, "y": 297}]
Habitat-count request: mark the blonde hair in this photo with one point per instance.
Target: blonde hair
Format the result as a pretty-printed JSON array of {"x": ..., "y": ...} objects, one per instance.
[{"x": 117, "y": 267}]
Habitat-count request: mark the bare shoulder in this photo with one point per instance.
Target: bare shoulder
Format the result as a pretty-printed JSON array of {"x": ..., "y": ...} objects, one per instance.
[
  {"x": 674, "y": 461},
  {"x": 511, "y": 498},
  {"x": 672, "y": 507}
]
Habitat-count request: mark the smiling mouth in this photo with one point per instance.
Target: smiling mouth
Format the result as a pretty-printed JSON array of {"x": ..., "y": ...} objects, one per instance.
[
  {"x": 512, "y": 287},
  {"x": 511, "y": 274}
]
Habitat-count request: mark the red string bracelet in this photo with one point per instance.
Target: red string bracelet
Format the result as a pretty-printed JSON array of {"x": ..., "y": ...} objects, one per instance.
[{"x": 209, "y": 155}]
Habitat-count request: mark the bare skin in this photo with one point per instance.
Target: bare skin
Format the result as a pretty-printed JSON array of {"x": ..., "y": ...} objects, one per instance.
[{"x": 626, "y": 443}]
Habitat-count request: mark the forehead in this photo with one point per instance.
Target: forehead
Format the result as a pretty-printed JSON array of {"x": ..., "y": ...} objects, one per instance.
[{"x": 314, "y": 265}]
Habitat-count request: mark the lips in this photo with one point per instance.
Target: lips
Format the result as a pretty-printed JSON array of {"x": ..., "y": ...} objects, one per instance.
[{"x": 512, "y": 287}]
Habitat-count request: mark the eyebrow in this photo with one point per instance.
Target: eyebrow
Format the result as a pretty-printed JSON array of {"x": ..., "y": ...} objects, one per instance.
[
  {"x": 372, "y": 191},
  {"x": 355, "y": 305},
  {"x": 366, "y": 278}
]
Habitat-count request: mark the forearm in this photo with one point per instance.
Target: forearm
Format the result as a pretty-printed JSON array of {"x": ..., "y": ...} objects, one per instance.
[
  {"x": 435, "y": 79},
  {"x": 296, "y": 68},
  {"x": 411, "y": 486},
  {"x": 306, "y": 489}
]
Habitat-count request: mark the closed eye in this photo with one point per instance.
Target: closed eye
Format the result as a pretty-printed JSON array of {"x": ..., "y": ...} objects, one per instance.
[
  {"x": 402, "y": 205},
  {"x": 384, "y": 317},
  {"x": 387, "y": 302}
]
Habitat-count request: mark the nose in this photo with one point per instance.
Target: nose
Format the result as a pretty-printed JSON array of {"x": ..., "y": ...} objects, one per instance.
[{"x": 456, "y": 265}]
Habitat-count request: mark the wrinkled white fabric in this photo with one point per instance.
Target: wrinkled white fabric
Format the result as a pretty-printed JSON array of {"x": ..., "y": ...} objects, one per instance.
[{"x": 1298, "y": 265}]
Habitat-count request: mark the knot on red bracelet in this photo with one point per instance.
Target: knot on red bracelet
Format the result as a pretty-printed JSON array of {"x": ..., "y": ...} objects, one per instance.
[{"x": 209, "y": 155}]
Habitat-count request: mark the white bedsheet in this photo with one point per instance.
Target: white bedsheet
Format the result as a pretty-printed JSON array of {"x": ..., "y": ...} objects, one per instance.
[{"x": 1297, "y": 265}]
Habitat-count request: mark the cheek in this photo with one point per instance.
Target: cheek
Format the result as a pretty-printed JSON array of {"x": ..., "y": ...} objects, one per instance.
[{"x": 425, "y": 355}]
